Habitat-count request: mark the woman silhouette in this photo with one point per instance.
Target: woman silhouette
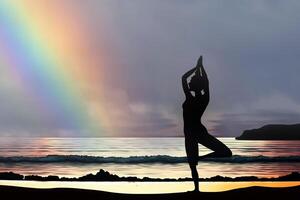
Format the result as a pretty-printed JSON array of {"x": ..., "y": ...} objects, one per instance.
[{"x": 194, "y": 131}]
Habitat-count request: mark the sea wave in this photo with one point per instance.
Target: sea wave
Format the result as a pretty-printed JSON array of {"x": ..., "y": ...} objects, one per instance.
[{"x": 162, "y": 159}]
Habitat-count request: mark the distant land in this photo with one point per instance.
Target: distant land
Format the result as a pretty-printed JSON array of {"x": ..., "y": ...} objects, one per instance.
[
  {"x": 103, "y": 175},
  {"x": 272, "y": 132}
]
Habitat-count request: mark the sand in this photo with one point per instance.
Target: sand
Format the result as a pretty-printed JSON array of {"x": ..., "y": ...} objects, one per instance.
[
  {"x": 10, "y": 192},
  {"x": 147, "y": 187}
]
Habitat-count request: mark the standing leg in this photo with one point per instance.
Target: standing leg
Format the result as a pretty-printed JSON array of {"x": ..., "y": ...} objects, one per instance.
[
  {"x": 195, "y": 177},
  {"x": 192, "y": 151}
]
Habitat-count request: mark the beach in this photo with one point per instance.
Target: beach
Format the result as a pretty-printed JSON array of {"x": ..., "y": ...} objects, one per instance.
[
  {"x": 244, "y": 193},
  {"x": 162, "y": 160},
  {"x": 147, "y": 187}
]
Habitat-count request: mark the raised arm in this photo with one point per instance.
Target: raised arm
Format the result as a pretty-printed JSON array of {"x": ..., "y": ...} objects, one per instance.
[
  {"x": 185, "y": 84},
  {"x": 199, "y": 65},
  {"x": 205, "y": 83}
]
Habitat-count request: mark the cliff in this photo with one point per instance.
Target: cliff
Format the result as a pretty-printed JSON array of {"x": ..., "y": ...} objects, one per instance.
[{"x": 272, "y": 132}]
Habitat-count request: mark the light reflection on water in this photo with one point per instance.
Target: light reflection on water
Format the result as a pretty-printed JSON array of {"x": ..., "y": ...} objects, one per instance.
[
  {"x": 123, "y": 147},
  {"x": 10, "y": 146}
]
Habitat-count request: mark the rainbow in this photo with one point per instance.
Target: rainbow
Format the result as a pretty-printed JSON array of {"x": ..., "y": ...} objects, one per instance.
[{"x": 39, "y": 47}]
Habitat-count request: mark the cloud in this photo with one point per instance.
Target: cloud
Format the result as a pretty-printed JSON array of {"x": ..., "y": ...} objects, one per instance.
[
  {"x": 123, "y": 116},
  {"x": 251, "y": 53},
  {"x": 272, "y": 109}
]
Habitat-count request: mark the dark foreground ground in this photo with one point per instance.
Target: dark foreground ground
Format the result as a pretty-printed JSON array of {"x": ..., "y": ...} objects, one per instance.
[{"x": 256, "y": 193}]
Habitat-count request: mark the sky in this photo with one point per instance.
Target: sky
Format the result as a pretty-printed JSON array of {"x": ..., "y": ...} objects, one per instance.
[{"x": 113, "y": 67}]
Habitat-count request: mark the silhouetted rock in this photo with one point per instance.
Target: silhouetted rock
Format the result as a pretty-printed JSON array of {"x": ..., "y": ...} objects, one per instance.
[
  {"x": 220, "y": 178},
  {"x": 34, "y": 178},
  {"x": 41, "y": 178},
  {"x": 272, "y": 132},
  {"x": 106, "y": 176},
  {"x": 100, "y": 176},
  {"x": 294, "y": 176},
  {"x": 10, "y": 176},
  {"x": 246, "y": 178},
  {"x": 52, "y": 178}
]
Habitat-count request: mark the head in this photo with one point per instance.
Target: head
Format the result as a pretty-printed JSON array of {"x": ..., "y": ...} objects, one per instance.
[{"x": 195, "y": 84}]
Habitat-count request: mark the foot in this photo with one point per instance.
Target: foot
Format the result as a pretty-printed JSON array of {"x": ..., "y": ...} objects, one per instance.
[
  {"x": 215, "y": 155},
  {"x": 195, "y": 190}
]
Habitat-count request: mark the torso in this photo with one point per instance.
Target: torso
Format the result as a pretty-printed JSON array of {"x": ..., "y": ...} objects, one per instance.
[{"x": 192, "y": 113}]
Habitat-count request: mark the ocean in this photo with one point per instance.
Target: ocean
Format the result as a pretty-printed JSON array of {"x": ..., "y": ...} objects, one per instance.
[{"x": 143, "y": 157}]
